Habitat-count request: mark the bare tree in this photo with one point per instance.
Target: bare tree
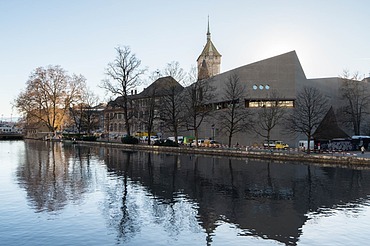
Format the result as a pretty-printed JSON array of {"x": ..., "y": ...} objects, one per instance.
[
  {"x": 197, "y": 105},
  {"x": 91, "y": 116},
  {"x": 172, "y": 108},
  {"x": 269, "y": 116},
  {"x": 356, "y": 96},
  {"x": 124, "y": 76},
  {"x": 151, "y": 115},
  {"x": 310, "y": 108},
  {"x": 76, "y": 114},
  {"x": 49, "y": 93},
  {"x": 83, "y": 113},
  {"x": 174, "y": 70},
  {"x": 172, "y": 101},
  {"x": 232, "y": 116}
]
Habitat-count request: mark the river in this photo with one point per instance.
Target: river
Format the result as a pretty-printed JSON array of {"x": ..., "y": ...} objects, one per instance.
[{"x": 64, "y": 194}]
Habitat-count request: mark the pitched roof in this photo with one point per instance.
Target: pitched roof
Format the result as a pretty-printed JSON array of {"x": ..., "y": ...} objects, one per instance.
[
  {"x": 160, "y": 86},
  {"x": 328, "y": 128},
  {"x": 209, "y": 50}
]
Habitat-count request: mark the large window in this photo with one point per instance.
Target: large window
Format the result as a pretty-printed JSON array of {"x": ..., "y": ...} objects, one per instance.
[
  {"x": 224, "y": 104},
  {"x": 269, "y": 103}
]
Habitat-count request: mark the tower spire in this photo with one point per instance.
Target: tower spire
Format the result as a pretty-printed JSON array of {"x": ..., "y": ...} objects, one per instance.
[
  {"x": 208, "y": 32},
  {"x": 209, "y": 60}
]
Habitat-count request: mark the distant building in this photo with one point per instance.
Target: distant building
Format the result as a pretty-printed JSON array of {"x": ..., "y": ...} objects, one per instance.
[
  {"x": 8, "y": 127},
  {"x": 85, "y": 119},
  {"x": 139, "y": 108},
  {"x": 36, "y": 130}
]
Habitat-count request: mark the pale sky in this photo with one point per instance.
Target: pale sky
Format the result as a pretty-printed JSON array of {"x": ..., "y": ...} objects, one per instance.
[{"x": 80, "y": 36}]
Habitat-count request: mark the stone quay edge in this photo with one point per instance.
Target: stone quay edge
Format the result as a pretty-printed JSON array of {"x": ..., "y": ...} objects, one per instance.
[{"x": 326, "y": 159}]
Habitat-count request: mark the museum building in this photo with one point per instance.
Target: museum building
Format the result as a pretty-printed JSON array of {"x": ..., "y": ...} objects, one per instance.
[{"x": 282, "y": 74}]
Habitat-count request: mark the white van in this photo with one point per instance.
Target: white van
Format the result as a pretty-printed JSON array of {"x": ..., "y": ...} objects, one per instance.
[
  {"x": 180, "y": 139},
  {"x": 200, "y": 142},
  {"x": 303, "y": 146}
]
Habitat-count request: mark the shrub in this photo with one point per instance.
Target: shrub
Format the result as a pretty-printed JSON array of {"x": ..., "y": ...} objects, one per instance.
[
  {"x": 71, "y": 136},
  {"x": 89, "y": 138},
  {"x": 129, "y": 140},
  {"x": 167, "y": 143}
]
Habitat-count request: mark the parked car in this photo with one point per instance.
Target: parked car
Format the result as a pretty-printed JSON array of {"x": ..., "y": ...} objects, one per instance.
[
  {"x": 154, "y": 138},
  {"x": 281, "y": 145},
  {"x": 269, "y": 144},
  {"x": 144, "y": 138},
  {"x": 275, "y": 144},
  {"x": 215, "y": 144},
  {"x": 180, "y": 139},
  {"x": 200, "y": 142}
]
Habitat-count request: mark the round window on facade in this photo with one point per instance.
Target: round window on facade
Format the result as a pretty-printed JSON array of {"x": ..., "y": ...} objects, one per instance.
[
  {"x": 267, "y": 87},
  {"x": 254, "y": 87},
  {"x": 261, "y": 87}
]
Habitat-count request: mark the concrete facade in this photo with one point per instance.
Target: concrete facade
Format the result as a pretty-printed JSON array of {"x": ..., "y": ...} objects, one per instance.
[{"x": 283, "y": 74}]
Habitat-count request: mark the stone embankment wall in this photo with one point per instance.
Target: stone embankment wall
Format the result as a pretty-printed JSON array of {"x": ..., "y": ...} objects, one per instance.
[{"x": 344, "y": 160}]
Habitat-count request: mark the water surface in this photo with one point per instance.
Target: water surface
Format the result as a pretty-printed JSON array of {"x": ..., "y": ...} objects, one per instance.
[{"x": 64, "y": 194}]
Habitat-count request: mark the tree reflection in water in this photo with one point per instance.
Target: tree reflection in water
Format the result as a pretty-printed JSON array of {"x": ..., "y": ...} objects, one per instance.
[
  {"x": 144, "y": 205},
  {"x": 184, "y": 193},
  {"x": 52, "y": 175},
  {"x": 43, "y": 176}
]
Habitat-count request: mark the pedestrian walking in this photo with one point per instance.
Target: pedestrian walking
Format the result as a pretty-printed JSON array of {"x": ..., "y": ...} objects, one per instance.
[{"x": 362, "y": 149}]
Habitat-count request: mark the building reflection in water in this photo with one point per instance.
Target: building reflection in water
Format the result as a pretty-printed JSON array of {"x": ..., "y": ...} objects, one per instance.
[{"x": 184, "y": 192}]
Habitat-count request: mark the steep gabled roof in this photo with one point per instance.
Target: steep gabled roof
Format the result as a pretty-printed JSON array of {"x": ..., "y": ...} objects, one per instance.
[{"x": 209, "y": 50}]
